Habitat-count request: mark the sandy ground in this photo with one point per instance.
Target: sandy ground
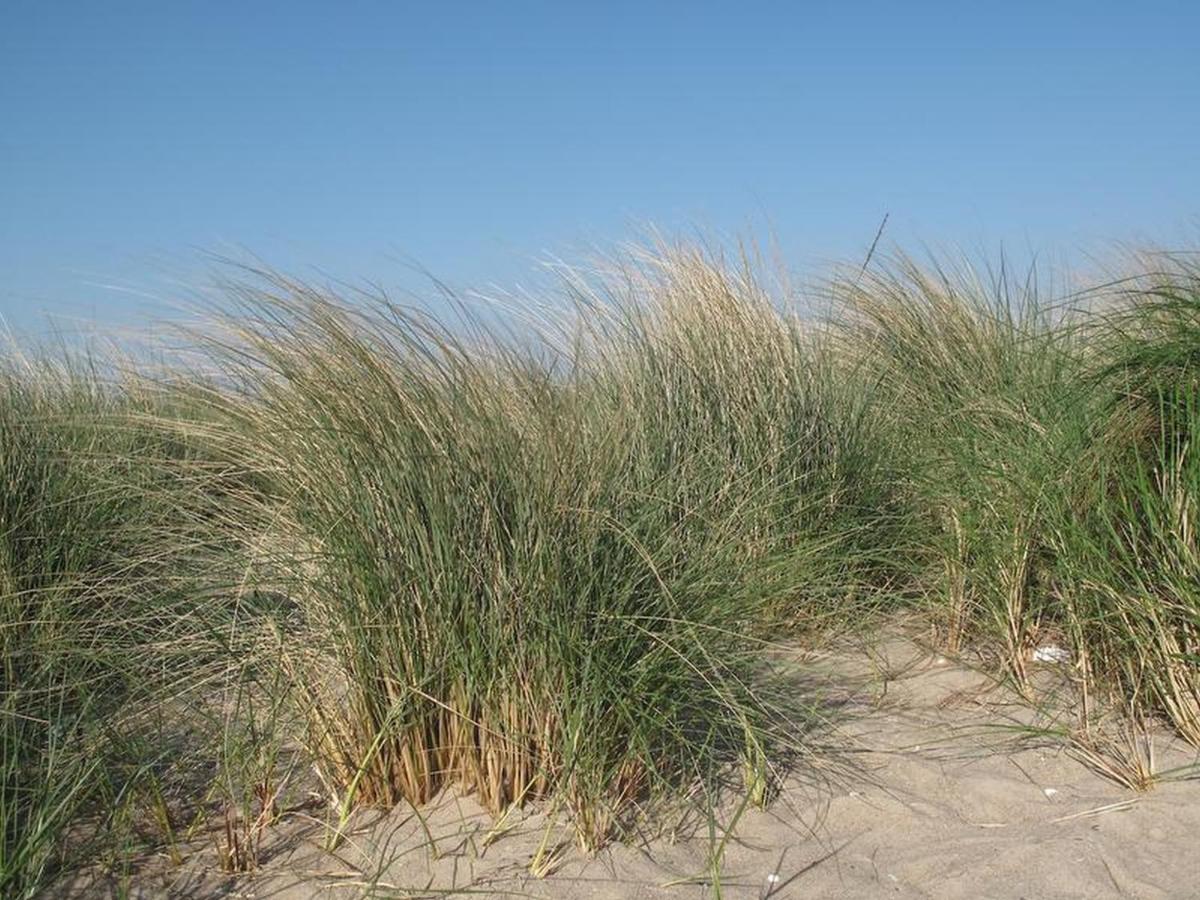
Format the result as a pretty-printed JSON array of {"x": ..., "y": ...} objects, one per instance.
[{"x": 933, "y": 794}]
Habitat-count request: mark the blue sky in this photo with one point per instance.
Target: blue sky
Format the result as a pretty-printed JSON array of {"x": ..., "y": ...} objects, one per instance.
[{"x": 354, "y": 138}]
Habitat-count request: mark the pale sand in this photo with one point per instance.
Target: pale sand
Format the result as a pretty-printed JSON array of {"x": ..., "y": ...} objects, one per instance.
[{"x": 928, "y": 797}]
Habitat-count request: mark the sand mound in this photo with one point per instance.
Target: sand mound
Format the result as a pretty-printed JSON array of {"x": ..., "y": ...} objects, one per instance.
[{"x": 937, "y": 791}]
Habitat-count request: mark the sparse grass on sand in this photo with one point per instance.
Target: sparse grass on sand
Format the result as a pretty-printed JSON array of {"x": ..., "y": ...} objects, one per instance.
[{"x": 544, "y": 564}]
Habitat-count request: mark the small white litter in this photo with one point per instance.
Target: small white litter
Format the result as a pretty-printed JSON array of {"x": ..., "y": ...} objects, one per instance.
[
  {"x": 1051, "y": 654},
  {"x": 1049, "y": 792}
]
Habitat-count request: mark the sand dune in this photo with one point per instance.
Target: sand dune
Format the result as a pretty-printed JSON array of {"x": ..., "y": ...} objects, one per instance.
[{"x": 927, "y": 791}]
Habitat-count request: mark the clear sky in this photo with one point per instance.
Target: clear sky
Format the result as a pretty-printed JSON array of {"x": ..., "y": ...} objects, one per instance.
[{"x": 476, "y": 138}]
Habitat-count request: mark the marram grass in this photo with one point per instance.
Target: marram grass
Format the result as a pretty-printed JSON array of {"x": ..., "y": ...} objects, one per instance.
[
  {"x": 545, "y": 564},
  {"x": 1049, "y": 441},
  {"x": 982, "y": 381},
  {"x": 538, "y": 581},
  {"x": 107, "y": 558}
]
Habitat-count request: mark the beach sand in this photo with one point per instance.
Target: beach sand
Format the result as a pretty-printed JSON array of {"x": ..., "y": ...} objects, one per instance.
[{"x": 931, "y": 787}]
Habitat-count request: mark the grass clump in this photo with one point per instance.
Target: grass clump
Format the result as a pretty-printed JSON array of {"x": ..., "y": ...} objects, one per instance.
[
  {"x": 534, "y": 571},
  {"x": 1129, "y": 552},
  {"x": 981, "y": 380},
  {"x": 101, "y": 544},
  {"x": 1048, "y": 444}
]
